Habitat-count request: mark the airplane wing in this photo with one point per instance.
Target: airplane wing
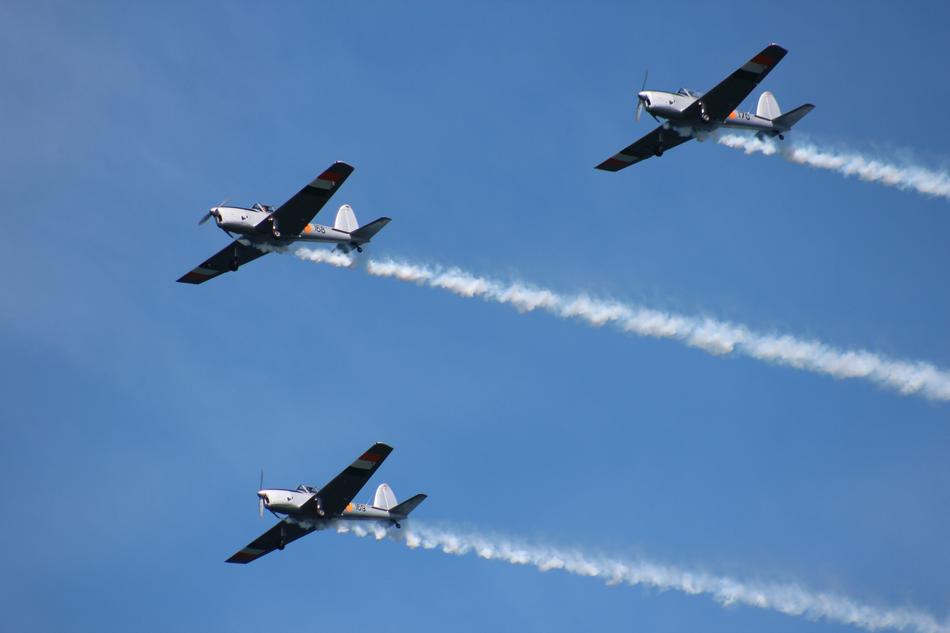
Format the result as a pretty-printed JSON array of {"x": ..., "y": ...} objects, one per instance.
[
  {"x": 335, "y": 496},
  {"x": 224, "y": 260},
  {"x": 644, "y": 148},
  {"x": 729, "y": 93},
  {"x": 286, "y": 531},
  {"x": 297, "y": 212}
]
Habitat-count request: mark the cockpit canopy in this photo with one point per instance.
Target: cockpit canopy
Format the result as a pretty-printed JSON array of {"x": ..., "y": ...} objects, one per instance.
[
  {"x": 306, "y": 488},
  {"x": 263, "y": 208},
  {"x": 687, "y": 92}
]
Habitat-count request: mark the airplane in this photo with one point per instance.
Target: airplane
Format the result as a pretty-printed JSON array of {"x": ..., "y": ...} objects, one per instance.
[
  {"x": 690, "y": 114},
  {"x": 263, "y": 229},
  {"x": 308, "y": 509}
]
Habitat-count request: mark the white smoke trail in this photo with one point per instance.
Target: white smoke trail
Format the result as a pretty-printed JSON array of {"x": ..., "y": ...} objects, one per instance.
[
  {"x": 925, "y": 181},
  {"x": 715, "y": 337},
  {"x": 323, "y": 256},
  {"x": 317, "y": 255},
  {"x": 784, "y": 598}
]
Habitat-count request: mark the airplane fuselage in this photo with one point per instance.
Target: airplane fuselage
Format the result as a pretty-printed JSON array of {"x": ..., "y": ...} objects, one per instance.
[
  {"x": 259, "y": 226},
  {"x": 291, "y": 503},
  {"x": 672, "y": 106}
]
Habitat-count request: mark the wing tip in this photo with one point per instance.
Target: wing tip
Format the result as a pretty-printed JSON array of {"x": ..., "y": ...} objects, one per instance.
[
  {"x": 612, "y": 164},
  {"x": 383, "y": 446},
  {"x": 195, "y": 277},
  {"x": 333, "y": 176}
]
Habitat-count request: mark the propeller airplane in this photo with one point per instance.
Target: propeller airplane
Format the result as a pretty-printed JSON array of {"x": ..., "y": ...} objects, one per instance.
[
  {"x": 262, "y": 228},
  {"x": 307, "y": 509},
  {"x": 690, "y": 114}
]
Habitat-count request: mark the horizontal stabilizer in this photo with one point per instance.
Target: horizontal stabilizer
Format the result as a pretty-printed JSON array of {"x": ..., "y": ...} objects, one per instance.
[
  {"x": 787, "y": 120},
  {"x": 365, "y": 233},
  {"x": 407, "y": 506}
]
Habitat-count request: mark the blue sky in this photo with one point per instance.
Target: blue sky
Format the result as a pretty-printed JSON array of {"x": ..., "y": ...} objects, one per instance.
[{"x": 137, "y": 412}]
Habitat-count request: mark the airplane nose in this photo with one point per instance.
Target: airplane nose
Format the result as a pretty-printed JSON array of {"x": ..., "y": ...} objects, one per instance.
[{"x": 644, "y": 97}]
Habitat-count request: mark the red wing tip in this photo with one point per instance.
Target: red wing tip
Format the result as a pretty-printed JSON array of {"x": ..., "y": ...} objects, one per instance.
[
  {"x": 612, "y": 164},
  {"x": 240, "y": 559},
  {"x": 194, "y": 278},
  {"x": 336, "y": 171}
]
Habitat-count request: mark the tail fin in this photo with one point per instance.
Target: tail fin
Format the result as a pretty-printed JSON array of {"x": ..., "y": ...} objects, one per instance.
[
  {"x": 768, "y": 107},
  {"x": 385, "y": 498},
  {"x": 407, "y": 506},
  {"x": 787, "y": 120},
  {"x": 366, "y": 233},
  {"x": 346, "y": 219}
]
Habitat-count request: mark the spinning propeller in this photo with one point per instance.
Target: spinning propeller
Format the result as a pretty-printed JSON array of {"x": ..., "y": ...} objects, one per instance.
[
  {"x": 214, "y": 213},
  {"x": 260, "y": 498},
  {"x": 641, "y": 99},
  {"x": 210, "y": 214}
]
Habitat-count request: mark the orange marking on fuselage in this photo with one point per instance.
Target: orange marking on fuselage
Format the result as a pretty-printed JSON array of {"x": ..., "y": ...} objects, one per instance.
[
  {"x": 349, "y": 507},
  {"x": 732, "y": 114},
  {"x": 308, "y": 228}
]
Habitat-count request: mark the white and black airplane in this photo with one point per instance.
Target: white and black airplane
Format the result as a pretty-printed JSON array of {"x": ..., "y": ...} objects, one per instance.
[
  {"x": 307, "y": 509},
  {"x": 262, "y": 228},
  {"x": 690, "y": 114}
]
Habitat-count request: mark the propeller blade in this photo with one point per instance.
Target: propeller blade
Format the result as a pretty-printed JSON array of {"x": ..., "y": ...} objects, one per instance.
[
  {"x": 643, "y": 86},
  {"x": 204, "y": 218},
  {"x": 260, "y": 500}
]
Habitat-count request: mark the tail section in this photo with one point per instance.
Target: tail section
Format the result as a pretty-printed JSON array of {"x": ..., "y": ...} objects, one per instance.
[
  {"x": 768, "y": 107},
  {"x": 365, "y": 233},
  {"x": 407, "y": 506},
  {"x": 346, "y": 219},
  {"x": 787, "y": 120},
  {"x": 385, "y": 498}
]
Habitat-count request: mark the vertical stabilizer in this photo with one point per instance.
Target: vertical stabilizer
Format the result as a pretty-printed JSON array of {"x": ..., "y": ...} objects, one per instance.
[
  {"x": 346, "y": 219},
  {"x": 385, "y": 498},
  {"x": 768, "y": 107}
]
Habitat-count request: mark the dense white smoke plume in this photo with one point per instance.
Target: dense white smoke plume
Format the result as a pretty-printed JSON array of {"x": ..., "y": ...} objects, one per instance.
[
  {"x": 920, "y": 179},
  {"x": 715, "y": 337},
  {"x": 784, "y": 598}
]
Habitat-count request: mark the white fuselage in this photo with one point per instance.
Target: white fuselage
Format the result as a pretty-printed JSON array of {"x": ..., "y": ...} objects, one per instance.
[
  {"x": 672, "y": 105},
  {"x": 257, "y": 224},
  {"x": 290, "y": 502}
]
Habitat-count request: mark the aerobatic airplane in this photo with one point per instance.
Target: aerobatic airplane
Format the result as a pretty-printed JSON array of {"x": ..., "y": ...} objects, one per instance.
[
  {"x": 263, "y": 229},
  {"x": 308, "y": 509},
  {"x": 690, "y": 114}
]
